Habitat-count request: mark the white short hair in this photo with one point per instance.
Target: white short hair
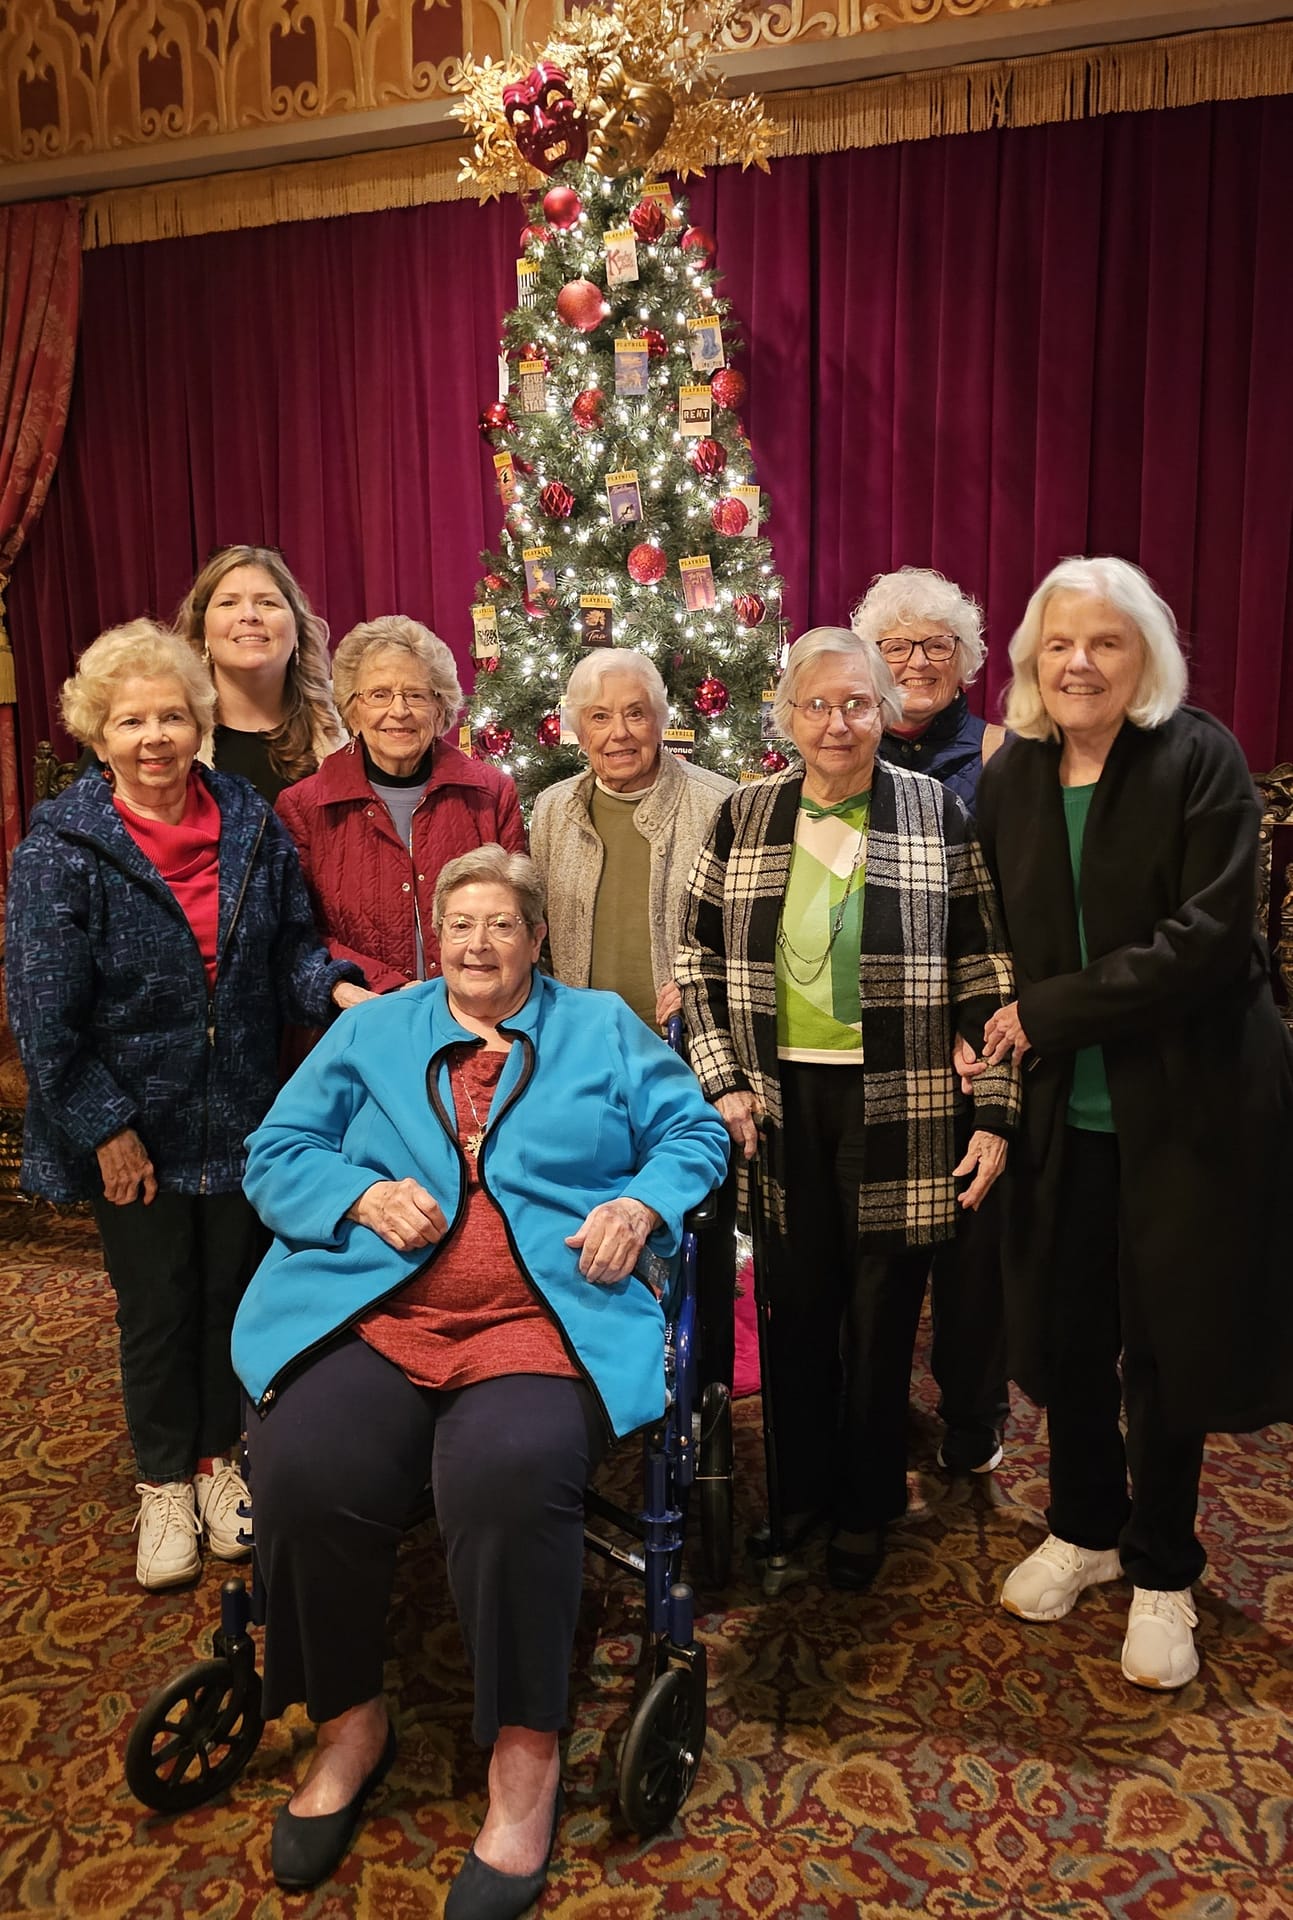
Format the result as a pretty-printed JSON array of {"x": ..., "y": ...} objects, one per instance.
[
  {"x": 915, "y": 595},
  {"x": 584, "y": 687},
  {"x": 1163, "y": 677},
  {"x": 817, "y": 644}
]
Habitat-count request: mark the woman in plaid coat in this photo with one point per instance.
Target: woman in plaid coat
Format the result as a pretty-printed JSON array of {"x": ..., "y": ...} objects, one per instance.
[{"x": 841, "y": 931}]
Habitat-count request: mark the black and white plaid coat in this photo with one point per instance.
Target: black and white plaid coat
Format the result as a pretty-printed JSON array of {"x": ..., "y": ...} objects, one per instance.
[{"x": 933, "y": 963}]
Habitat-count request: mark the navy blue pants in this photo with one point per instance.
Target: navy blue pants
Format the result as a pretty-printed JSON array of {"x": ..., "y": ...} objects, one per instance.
[
  {"x": 179, "y": 1266},
  {"x": 336, "y": 1465}
]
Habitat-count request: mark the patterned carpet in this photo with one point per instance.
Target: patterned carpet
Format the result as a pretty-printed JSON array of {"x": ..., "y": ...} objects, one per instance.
[{"x": 916, "y": 1751}]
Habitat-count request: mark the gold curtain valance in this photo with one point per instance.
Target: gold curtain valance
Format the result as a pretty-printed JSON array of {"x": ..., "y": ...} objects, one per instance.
[{"x": 1236, "y": 63}]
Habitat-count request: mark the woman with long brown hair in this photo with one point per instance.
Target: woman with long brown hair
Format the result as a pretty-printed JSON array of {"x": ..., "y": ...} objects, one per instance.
[{"x": 267, "y": 651}]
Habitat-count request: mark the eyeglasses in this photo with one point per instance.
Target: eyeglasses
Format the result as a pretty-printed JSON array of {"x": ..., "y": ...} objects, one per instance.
[
  {"x": 938, "y": 648},
  {"x": 416, "y": 699},
  {"x": 459, "y": 927},
  {"x": 857, "y": 709}
]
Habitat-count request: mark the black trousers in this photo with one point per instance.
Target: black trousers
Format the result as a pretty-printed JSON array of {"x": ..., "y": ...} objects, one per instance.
[
  {"x": 336, "y": 1465},
  {"x": 843, "y": 1321},
  {"x": 716, "y": 1287},
  {"x": 1094, "y": 1317},
  {"x": 967, "y": 1354},
  {"x": 179, "y": 1268}
]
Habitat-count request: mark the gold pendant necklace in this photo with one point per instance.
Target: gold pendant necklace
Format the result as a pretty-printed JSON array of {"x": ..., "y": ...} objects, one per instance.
[{"x": 476, "y": 1138}]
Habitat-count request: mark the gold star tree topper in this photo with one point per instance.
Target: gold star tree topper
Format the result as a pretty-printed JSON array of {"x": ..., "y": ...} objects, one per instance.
[{"x": 622, "y": 86}]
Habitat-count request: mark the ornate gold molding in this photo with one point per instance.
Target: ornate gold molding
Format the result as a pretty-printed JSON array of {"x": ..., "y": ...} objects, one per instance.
[
  {"x": 81, "y": 77},
  {"x": 1241, "y": 63}
]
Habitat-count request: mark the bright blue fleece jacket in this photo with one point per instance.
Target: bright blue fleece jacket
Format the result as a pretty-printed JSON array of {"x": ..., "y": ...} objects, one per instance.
[{"x": 591, "y": 1105}]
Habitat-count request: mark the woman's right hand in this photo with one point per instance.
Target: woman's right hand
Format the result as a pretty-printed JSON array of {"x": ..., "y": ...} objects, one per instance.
[
  {"x": 401, "y": 1213},
  {"x": 740, "y": 1114},
  {"x": 125, "y": 1165}
]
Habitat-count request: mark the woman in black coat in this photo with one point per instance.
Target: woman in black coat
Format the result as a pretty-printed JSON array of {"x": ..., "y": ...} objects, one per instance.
[{"x": 1143, "y": 1212}]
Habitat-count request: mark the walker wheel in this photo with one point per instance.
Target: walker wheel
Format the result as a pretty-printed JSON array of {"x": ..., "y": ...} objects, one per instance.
[
  {"x": 662, "y": 1749},
  {"x": 194, "y": 1737},
  {"x": 714, "y": 1477}
]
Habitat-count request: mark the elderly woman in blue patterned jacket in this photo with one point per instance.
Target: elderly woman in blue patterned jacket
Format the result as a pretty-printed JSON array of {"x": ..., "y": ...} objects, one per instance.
[
  {"x": 159, "y": 935},
  {"x": 464, "y": 1182},
  {"x": 842, "y": 930}
]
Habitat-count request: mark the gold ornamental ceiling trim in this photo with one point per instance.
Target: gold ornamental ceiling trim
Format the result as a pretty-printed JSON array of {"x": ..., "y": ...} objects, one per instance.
[{"x": 1235, "y": 63}]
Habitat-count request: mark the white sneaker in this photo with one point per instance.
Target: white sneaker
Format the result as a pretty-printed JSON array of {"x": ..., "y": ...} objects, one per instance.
[
  {"x": 168, "y": 1535},
  {"x": 219, "y": 1496},
  {"x": 1045, "y": 1585},
  {"x": 1159, "y": 1648}
]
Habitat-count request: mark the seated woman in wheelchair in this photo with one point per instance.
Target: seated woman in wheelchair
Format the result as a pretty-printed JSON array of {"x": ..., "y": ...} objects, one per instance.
[{"x": 460, "y": 1188}]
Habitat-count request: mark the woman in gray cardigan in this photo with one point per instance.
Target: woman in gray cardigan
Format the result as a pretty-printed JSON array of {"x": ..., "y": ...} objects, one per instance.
[{"x": 615, "y": 846}]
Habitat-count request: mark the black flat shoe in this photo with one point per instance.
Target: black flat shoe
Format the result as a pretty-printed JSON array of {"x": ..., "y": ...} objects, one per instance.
[
  {"x": 307, "y": 1848},
  {"x": 482, "y": 1892},
  {"x": 796, "y": 1530},
  {"x": 852, "y": 1569}
]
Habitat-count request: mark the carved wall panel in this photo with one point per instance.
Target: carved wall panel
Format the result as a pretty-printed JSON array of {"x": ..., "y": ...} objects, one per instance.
[{"x": 94, "y": 76}]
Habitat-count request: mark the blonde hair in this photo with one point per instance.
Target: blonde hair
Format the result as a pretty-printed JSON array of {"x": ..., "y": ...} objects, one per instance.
[
  {"x": 397, "y": 631},
  {"x": 309, "y": 729},
  {"x": 1163, "y": 677},
  {"x": 819, "y": 643},
  {"x": 492, "y": 865},
  {"x": 144, "y": 650},
  {"x": 914, "y": 595}
]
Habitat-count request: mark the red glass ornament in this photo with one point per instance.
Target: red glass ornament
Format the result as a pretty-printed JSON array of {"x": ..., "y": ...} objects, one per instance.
[
  {"x": 712, "y": 698},
  {"x": 708, "y": 456},
  {"x": 586, "y": 409},
  {"x": 495, "y": 418},
  {"x": 774, "y": 762},
  {"x": 538, "y": 605},
  {"x": 562, "y": 207},
  {"x": 494, "y": 583},
  {"x": 540, "y": 236},
  {"x": 495, "y": 739},
  {"x": 728, "y": 388},
  {"x": 647, "y": 564},
  {"x": 533, "y": 351},
  {"x": 647, "y": 221},
  {"x": 580, "y": 305},
  {"x": 696, "y": 240},
  {"x": 749, "y": 608},
  {"x": 656, "y": 342},
  {"x": 489, "y": 665},
  {"x": 557, "y": 500},
  {"x": 730, "y": 515},
  {"x": 548, "y": 731},
  {"x": 523, "y": 467}
]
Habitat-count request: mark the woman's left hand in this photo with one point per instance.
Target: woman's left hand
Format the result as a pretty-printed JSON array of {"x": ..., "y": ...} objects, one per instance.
[
  {"x": 984, "y": 1157},
  {"x": 347, "y": 994},
  {"x": 668, "y": 1002},
  {"x": 612, "y": 1238},
  {"x": 1004, "y": 1035}
]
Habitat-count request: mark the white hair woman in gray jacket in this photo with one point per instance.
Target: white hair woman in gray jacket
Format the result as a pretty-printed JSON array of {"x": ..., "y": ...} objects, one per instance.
[{"x": 615, "y": 846}]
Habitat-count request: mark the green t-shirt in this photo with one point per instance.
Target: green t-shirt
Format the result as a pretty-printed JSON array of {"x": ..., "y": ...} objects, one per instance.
[
  {"x": 621, "y": 961},
  {"x": 1089, "y": 1106},
  {"x": 819, "y": 998}
]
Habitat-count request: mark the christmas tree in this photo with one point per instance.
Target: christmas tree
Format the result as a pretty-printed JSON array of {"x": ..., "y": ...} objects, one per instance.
[{"x": 632, "y": 507}]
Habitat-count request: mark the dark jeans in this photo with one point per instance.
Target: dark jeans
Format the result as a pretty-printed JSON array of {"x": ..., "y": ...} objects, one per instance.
[
  {"x": 1094, "y": 1316},
  {"x": 967, "y": 1354},
  {"x": 336, "y": 1465},
  {"x": 179, "y": 1267},
  {"x": 843, "y": 1321}
]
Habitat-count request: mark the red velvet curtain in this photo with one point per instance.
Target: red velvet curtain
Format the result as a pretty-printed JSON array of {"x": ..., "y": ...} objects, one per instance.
[
  {"x": 40, "y": 257},
  {"x": 980, "y": 353}
]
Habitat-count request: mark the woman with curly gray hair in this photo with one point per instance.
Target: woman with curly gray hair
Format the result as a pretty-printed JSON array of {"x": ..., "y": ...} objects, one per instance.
[
  {"x": 378, "y": 821},
  {"x": 929, "y": 634}
]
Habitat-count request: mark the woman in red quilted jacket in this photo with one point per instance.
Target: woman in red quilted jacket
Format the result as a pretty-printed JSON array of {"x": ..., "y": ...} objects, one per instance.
[{"x": 381, "y": 817}]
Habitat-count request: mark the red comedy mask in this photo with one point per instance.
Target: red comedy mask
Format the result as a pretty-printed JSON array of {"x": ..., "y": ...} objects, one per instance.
[{"x": 546, "y": 125}]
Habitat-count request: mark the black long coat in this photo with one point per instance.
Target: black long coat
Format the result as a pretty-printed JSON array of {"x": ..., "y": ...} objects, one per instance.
[{"x": 1199, "y": 1064}]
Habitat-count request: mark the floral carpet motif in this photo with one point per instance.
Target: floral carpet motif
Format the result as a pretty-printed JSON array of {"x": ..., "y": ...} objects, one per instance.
[{"x": 913, "y": 1751}]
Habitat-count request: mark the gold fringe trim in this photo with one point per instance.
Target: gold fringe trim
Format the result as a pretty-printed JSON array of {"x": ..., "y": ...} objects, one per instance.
[
  {"x": 8, "y": 679},
  {"x": 1184, "y": 70}
]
